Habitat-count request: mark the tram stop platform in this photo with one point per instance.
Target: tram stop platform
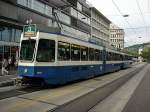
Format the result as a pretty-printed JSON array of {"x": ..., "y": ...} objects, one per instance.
[{"x": 7, "y": 80}]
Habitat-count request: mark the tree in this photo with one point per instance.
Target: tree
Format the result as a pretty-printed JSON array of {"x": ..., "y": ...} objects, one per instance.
[{"x": 146, "y": 54}]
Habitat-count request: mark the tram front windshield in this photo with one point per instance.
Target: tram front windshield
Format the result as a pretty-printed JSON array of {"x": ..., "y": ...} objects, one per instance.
[{"x": 27, "y": 49}]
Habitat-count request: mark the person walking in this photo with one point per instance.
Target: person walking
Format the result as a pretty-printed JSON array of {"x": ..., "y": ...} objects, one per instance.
[
  {"x": 4, "y": 66},
  {"x": 9, "y": 63}
]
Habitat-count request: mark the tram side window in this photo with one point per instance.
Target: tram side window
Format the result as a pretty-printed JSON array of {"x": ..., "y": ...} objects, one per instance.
[
  {"x": 108, "y": 56},
  {"x": 113, "y": 56},
  {"x": 46, "y": 51},
  {"x": 75, "y": 52},
  {"x": 118, "y": 59},
  {"x": 101, "y": 55},
  {"x": 97, "y": 55},
  {"x": 121, "y": 58},
  {"x": 84, "y": 53},
  {"x": 63, "y": 51},
  {"x": 91, "y": 54}
]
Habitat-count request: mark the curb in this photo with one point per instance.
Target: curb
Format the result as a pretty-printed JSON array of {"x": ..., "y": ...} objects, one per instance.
[{"x": 7, "y": 83}]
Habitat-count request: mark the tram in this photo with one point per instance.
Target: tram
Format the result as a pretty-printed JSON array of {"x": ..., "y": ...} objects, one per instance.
[{"x": 52, "y": 58}]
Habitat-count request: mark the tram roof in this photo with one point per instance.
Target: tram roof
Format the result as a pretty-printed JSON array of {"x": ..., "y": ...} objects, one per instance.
[{"x": 47, "y": 29}]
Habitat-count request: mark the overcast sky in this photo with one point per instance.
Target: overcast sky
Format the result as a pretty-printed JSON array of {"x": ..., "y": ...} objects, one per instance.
[{"x": 136, "y": 25}]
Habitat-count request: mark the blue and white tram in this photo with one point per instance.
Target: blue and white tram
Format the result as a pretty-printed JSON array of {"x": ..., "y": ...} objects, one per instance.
[{"x": 57, "y": 59}]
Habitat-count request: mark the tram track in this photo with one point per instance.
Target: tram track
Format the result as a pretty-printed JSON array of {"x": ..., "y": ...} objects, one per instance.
[
  {"x": 89, "y": 100},
  {"x": 13, "y": 91},
  {"x": 76, "y": 97}
]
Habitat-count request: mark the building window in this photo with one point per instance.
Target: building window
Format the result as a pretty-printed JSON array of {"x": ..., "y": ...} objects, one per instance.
[
  {"x": 10, "y": 34},
  {"x": 23, "y": 2},
  {"x": 6, "y": 51},
  {"x": 6, "y": 34},
  {"x": 63, "y": 17},
  {"x": 48, "y": 10},
  {"x": 79, "y": 6},
  {"x": 74, "y": 13},
  {"x": 1, "y": 53},
  {"x": 38, "y": 6},
  {"x": 17, "y": 35}
]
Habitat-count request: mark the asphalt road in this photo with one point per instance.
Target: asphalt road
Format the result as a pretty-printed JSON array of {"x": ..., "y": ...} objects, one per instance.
[{"x": 140, "y": 100}]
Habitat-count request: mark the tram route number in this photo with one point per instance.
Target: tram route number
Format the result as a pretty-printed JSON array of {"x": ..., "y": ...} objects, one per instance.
[{"x": 30, "y": 30}]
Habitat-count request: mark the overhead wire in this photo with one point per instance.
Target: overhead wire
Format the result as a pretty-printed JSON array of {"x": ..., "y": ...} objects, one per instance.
[
  {"x": 130, "y": 26},
  {"x": 141, "y": 14},
  {"x": 131, "y": 14},
  {"x": 138, "y": 27},
  {"x": 149, "y": 5},
  {"x": 122, "y": 15}
]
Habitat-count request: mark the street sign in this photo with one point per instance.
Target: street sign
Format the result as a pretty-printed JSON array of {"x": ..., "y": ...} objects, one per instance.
[{"x": 30, "y": 30}]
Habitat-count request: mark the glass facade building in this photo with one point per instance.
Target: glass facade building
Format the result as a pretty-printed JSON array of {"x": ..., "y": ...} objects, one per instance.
[
  {"x": 9, "y": 41},
  {"x": 74, "y": 18},
  {"x": 10, "y": 34}
]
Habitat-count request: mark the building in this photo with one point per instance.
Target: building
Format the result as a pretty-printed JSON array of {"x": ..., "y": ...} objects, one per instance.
[
  {"x": 73, "y": 16},
  {"x": 99, "y": 27},
  {"x": 116, "y": 37}
]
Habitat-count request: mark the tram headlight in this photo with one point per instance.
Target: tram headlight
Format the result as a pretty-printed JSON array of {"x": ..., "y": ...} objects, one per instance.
[{"x": 25, "y": 70}]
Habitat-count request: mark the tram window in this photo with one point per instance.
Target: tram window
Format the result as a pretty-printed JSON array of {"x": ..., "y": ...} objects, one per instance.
[
  {"x": 75, "y": 52},
  {"x": 97, "y": 55},
  {"x": 118, "y": 57},
  {"x": 101, "y": 55},
  {"x": 84, "y": 53},
  {"x": 91, "y": 54},
  {"x": 107, "y": 56},
  {"x": 114, "y": 56},
  {"x": 46, "y": 51},
  {"x": 27, "y": 49},
  {"x": 63, "y": 51}
]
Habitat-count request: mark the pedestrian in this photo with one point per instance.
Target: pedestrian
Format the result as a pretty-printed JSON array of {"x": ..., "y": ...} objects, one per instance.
[
  {"x": 9, "y": 63},
  {"x": 13, "y": 63},
  {"x": 5, "y": 66}
]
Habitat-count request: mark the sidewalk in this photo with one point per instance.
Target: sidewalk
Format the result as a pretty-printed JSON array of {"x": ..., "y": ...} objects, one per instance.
[{"x": 7, "y": 80}]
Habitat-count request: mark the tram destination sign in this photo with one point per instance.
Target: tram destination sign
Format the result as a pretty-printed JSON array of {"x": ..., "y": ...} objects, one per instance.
[{"x": 30, "y": 30}]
